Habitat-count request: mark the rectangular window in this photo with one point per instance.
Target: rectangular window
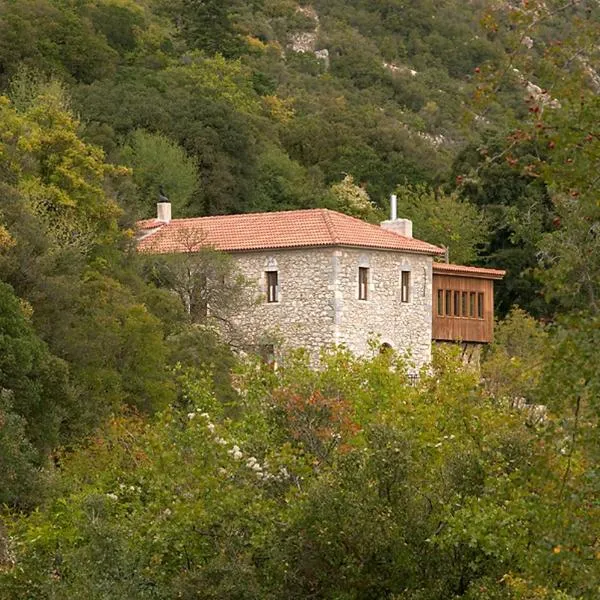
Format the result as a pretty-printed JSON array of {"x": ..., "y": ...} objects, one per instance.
[
  {"x": 472, "y": 300},
  {"x": 440, "y": 303},
  {"x": 272, "y": 286},
  {"x": 457, "y": 304},
  {"x": 480, "y": 305},
  {"x": 363, "y": 283},
  {"x": 448, "y": 303},
  {"x": 405, "y": 286},
  {"x": 465, "y": 301}
]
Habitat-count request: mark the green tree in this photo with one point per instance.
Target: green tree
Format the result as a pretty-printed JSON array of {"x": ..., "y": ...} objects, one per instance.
[
  {"x": 207, "y": 25},
  {"x": 157, "y": 161},
  {"x": 208, "y": 283},
  {"x": 53, "y": 39},
  {"x": 445, "y": 220},
  {"x": 206, "y": 107},
  {"x": 65, "y": 257},
  {"x": 494, "y": 176},
  {"x": 455, "y": 496},
  {"x": 282, "y": 183},
  {"x": 513, "y": 364},
  {"x": 555, "y": 141},
  {"x": 354, "y": 200},
  {"x": 22, "y": 484},
  {"x": 35, "y": 398}
]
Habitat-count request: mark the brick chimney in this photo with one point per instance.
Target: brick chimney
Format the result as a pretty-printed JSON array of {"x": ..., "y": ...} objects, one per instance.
[{"x": 400, "y": 226}]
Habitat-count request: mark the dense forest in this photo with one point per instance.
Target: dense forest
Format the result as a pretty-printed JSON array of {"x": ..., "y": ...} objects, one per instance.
[{"x": 142, "y": 455}]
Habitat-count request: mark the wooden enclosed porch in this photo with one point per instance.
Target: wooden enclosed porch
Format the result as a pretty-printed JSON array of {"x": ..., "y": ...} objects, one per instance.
[{"x": 463, "y": 303}]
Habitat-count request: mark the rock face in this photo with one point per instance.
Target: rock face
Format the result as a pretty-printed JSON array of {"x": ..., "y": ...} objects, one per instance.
[
  {"x": 318, "y": 300},
  {"x": 535, "y": 93},
  {"x": 306, "y": 41},
  {"x": 323, "y": 56},
  {"x": 399, "y": 69}
]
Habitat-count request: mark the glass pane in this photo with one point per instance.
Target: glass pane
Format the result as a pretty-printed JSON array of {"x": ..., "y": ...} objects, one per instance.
[
  {"x": 272, "y": 281},
  {"x": 472, "y": 298},
  {"x": 463, "y": 308},
  {"x": 457, "y": 304},
  {"x": 405, "y": 286},
  {"x": 448, "y": 302},
  {"x": 363, "y": 280},
  {"x": 480, "y": 305},
  {"x": 440, "y": 302}
]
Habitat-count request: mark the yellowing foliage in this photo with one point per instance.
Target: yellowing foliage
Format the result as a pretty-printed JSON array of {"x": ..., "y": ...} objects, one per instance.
[
  {"x": 279, "y": 109},
  {"x": 62, "y": 177}
]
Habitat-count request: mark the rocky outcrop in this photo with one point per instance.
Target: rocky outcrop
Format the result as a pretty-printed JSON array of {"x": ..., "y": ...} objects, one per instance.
[
  {"x": 305, "y": 42},
  {"x": 399, "y": 69}
]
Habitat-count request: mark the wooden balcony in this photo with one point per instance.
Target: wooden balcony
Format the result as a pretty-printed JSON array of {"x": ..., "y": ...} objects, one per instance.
[{"x": 463, "y": 303}]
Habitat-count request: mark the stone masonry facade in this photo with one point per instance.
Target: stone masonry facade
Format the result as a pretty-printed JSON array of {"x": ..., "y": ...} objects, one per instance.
[
  {"x": 303, "y": 316},
  {"x": 318, "y": 300}
]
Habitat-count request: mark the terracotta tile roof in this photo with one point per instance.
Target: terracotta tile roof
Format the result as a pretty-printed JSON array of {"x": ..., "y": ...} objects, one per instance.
[
  {"x": 287, "y": 229},
  {"x": 464, "y": 271},
  {"x": 149, "y": 224}
]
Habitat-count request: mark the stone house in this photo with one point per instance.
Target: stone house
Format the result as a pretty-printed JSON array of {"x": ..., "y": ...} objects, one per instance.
[{"x": 321, "y": 277}]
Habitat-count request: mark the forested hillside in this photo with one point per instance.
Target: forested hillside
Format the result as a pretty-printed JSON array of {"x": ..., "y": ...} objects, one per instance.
[{"x": 141, "y": 454}]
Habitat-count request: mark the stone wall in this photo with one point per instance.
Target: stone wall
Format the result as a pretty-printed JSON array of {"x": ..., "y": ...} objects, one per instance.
[
  {"x": 405, "y": 326},
  {"x": 319, "y": 306},
  {"x": 304, "y": 315}
]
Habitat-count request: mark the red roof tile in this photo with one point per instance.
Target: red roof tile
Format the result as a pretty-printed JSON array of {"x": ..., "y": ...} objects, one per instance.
[
  {"x": 287, "y": 229},
  {"x": 149, "y": 224},
  {"x": 464, "y": 271}
]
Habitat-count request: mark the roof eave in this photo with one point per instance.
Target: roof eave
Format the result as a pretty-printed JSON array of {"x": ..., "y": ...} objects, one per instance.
[
  {"x": 427, "y": 252},
  {"x": 424, "y": 252},
  {"x": 496, "y": 276}
]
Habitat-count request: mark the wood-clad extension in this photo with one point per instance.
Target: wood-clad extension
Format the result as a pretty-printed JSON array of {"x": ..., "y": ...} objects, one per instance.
[{"x": 463, "y": 303}]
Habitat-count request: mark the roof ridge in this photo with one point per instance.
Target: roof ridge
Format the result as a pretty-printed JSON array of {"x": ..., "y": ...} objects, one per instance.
[
  {"x": 329, "y": 224},
  {"x": 249, "y": 214}
]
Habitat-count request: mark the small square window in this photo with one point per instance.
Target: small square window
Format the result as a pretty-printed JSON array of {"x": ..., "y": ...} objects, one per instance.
[
  {"x": 272, "y": 286},
  {"x": 405, "y": 286},
  {"x": 363, "y": 283}
]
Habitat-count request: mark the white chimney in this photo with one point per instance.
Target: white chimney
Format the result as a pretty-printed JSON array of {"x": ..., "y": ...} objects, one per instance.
[
  {"x": 163, "y": 212},
  {"x": 394, "y": 207},
  {"x": 400, "y": 226}
]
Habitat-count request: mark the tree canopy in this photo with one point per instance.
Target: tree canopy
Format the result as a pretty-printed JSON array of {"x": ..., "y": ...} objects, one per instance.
[{"x": 142, "y": 455}]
